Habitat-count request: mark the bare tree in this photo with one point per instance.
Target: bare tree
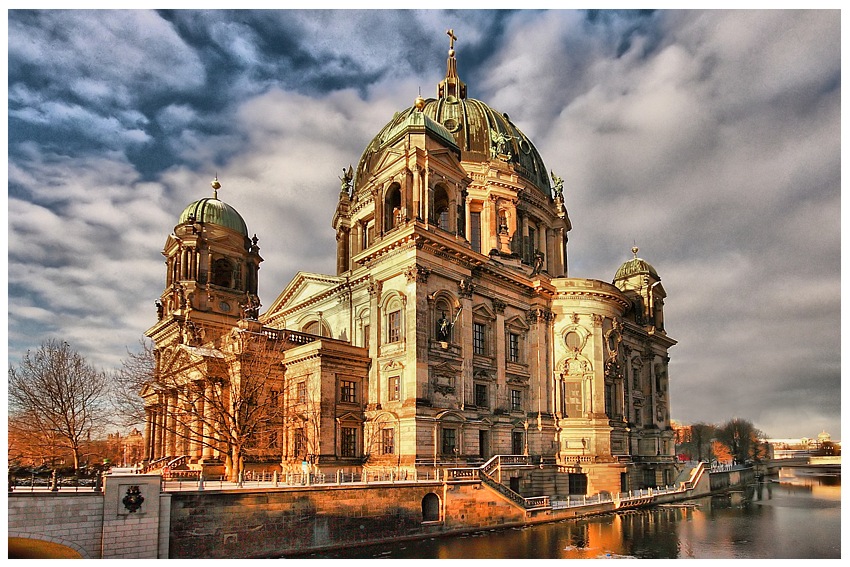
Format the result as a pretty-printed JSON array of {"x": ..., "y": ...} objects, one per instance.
[
  {"x": 138, "y": 369},
  {"x": 54, "y": 391}
]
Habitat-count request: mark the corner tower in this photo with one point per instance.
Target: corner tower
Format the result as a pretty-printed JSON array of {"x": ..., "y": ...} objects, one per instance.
[{"x": 211, "y": 274}]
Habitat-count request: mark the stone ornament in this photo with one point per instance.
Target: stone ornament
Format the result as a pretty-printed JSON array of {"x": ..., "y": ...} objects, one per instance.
[{"x": 133, "y": 499}]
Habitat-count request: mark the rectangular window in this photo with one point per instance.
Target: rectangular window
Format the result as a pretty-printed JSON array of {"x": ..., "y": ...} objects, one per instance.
[
  {"x": 530, "y": 245},
  {"x": 388, "y": 441},
  {"x": 348, "y": 391},
  {"x": 300, "y": 444},
  {"x": 513, "y": 347},
  {"x": 483, "y": 444},
  {"x": 475, "y": 231},
  {"x": 578, "y": 484},
  {"x": 449, "y": 441},
  {"x": 348, "y": 442},
  {"x": 481, "y": 395},
  {"x": 479, "y": 338},
  {"x": 517, "y": 443},
  {"x": 366, "y": 337},
  {"x": 301, "y": 392},
  {"x": 572, "y": 399},
  {"x": 609, "y": 400},
  {"x": 649, "y": 478},
  {"x": 444, "y": 219},
  {"x": 392, "y": 388},
  {"x": 516, "y": 400},
  {"x": 394, "y": 326}
]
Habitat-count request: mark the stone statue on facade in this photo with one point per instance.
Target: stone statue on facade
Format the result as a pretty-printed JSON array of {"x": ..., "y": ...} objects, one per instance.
[
  {"x": 444, "y": 327},
  {"x": 557, "y": 186},
  {"x": 538, "y": 263},
  {"x": 251, "y": 307},
  {"x": 346, "y": 180}
]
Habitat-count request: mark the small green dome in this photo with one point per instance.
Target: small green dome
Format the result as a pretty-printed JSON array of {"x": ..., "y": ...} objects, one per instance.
[
  {"x": 635, "y": 266},
  {"x": 211, "y": 210}
]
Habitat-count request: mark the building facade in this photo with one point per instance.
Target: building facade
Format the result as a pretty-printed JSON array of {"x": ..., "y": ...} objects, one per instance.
[{"x": 450, "y": 333}]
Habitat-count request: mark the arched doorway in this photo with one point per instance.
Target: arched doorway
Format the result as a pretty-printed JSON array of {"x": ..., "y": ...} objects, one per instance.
[
  {"x": 431, "y": 508},
  {"x": 26, "y": 548}
]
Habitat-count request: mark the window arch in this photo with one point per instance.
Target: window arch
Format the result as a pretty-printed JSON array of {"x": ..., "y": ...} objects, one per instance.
[
  {"x": 441, "y": 208},
  {"x": 316, "y": 327},
  {"x": 393, "y": 215},
  {"x": 222, "y": 272},
  {"x": 431, "y": 508},
  {"x": 394, "y": 318}
]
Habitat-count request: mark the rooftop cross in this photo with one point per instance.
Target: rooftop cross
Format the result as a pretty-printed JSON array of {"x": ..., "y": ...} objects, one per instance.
[{"x": 452, "y": 38}]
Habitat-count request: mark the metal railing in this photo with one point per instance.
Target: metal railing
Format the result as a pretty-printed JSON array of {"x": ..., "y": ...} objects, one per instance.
[{"x": 63, "y": 484}]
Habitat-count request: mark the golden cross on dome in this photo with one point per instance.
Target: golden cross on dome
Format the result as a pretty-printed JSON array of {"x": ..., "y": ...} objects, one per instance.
[{"x": 452, "y": 38}]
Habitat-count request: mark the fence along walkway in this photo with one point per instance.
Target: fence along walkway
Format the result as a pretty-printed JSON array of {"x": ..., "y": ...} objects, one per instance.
[{"x": 487, "y": 474}]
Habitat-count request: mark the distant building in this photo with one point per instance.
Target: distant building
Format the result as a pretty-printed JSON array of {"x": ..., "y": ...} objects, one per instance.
[
  {"x": 450, "y": 333},
  {"x": 822, "y": 445}
]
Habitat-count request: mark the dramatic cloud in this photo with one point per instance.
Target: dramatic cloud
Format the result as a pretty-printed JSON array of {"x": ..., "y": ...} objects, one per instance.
[{"x": 710, "y": 139}]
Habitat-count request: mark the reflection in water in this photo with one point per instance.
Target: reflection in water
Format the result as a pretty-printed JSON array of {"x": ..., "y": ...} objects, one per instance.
[{"x": 788, "y": 517}]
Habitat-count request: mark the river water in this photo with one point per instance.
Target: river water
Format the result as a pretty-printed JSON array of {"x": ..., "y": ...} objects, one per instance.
[{"x": 793, "y": 516}]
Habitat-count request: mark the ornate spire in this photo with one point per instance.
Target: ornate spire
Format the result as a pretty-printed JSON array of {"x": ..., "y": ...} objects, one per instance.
[
  {"x": 451, "y": 85},
  {"x": 216, "y": 186}
]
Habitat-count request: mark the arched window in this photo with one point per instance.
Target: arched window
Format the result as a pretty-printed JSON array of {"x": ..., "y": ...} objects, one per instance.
[
  {"x": 431, "y": 508},
  {"x": 441, "y": 207},
  {"x": 316, "y": 328},
  {"x": 393, "y": 215},
  {"x": 222, "y": 272},
  {"x": 394, "y": 320}
]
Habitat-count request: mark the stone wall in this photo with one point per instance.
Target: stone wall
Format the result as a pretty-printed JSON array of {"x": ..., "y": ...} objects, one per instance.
[{"x": 275, "y": 522}]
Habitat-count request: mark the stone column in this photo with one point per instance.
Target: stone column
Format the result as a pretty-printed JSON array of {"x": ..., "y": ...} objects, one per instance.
[
  {"x": 493, "y": 226},
  {"x": 172, "y": 424},
  {"x": 500, "y": 334},
  {"x": 208, "y": 417},
  {"x": 551, "y": 261},
  {"x": 417, "y": 193},
  {"x": 148, "y": 430},
  {"x": 465, "y": 292}
]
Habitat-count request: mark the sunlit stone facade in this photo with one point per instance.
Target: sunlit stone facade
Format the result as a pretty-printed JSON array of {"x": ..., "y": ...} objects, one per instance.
[{"x": 451, "y": 331}]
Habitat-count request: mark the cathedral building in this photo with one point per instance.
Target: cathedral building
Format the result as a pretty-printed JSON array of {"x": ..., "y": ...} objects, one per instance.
[{"x": 451, "y": 332}]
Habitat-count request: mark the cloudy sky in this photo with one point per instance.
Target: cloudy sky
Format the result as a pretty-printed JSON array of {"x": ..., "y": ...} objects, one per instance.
[{"x": 710, "y": 139}]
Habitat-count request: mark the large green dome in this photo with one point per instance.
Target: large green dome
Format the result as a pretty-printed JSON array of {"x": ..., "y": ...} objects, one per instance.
[
  {"x": 213, "y": 211},
  {"x": 480, "y": 132}
]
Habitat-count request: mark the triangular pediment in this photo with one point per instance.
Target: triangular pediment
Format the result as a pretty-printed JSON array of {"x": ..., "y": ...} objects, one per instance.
[
  {"x": 481, "y": 310},
  {"x": 445, "y": 369},
  {"x": 516, "y": 323},
  {"x": 303, "y": 287},
  {"x": 389, "y": 158}
]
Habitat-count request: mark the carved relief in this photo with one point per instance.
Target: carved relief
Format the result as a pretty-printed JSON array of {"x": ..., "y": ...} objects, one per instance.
[
  {"x": 374, "y": 287},
  {"x": 133, "y": 500},
  {"x": 417, "y": 273},
  {"x": 466, "y": 287},
  {"x": 597, "y": 320},
  {"x": 499, "y": 306},
  {"x": 576, "y": 366}
]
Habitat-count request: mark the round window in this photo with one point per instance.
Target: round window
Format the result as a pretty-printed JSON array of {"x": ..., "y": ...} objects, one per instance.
[{"x": 573, "y": 340}]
